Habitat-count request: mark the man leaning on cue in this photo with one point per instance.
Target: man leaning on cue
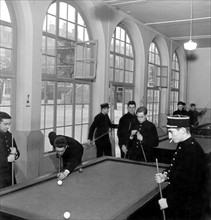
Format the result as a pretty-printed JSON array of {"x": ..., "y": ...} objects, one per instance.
[
  {"x": 183, "y": 199},
  {"x": 8, "y": 152}
]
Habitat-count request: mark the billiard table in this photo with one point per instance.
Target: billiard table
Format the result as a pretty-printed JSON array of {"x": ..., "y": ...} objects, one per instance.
[{"x": 107, "y": 188}]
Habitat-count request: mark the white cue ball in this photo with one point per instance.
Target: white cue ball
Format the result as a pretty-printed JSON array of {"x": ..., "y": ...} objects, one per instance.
[
  {"x": 59, "y": 182},
  {"x": 66, "y": 215},
  {"x": 80, "y": 170}
]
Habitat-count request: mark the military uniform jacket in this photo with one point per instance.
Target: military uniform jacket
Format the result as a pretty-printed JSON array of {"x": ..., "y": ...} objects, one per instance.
[
  {"x": 126, "y": 123},
  {"x": 72, "y": 155},
  {"x": 5, "y": 145},
  {"x": 185, "y": 176},
  {"x": 150, "y": 138},
  {"x": 194, "y": 117},
  {"x": 178, "y": 112},
  {"x": 100, "y": 126}
]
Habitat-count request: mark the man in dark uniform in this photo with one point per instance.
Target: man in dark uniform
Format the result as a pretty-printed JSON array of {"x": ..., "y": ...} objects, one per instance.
[
  {"x": 100, "y": 126},
  {"x": 143, "y": 138},
  {"x": 126, "y": 123},
  {"x": 8, "y": 151},
  {"x": 70, "y": 150},
  {"x": 181, "y": 109},
  {"x": 195, "y": 115},
  {"x": 185, "y": 174}
]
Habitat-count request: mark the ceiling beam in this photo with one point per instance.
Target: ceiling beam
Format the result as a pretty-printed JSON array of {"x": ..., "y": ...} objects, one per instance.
[
  {"x": 119, "y": 2},
  {"x": 193, "y": 37},
  {"x": 177, "y": 21}
]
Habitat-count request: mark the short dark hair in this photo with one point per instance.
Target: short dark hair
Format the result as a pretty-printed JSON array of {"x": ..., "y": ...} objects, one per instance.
[
  {"x": 142, "y": 109},
  {"x": 131, "y": 103},
  {"x": 4, "y": 115},
  {"x": 60, "y": 142},
  {"x": 192, "y": 104},
  {"x": 52, "y": 136}
]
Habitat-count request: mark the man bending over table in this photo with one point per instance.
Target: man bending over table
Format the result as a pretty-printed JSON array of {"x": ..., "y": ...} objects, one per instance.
[{"x": 67, "y": 149}]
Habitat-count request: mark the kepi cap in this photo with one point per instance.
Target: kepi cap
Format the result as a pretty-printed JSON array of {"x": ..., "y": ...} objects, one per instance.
[
  {"x": 104, "y": 105},
  {"x": 178, "y": 121},
  {"x": 181, "y": 103}
]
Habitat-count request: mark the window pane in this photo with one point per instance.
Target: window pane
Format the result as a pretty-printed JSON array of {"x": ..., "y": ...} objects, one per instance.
[
  {"x": 51, "y": 24},
  {"x": 128, "y": 95},
  {"x": 80, "y": 33},
  {"x": 78, "y": 114},
  {"x": 5, "y": 94},
  {"x": 71, "y": 31},
  {"x": 63, "y": 10},
  {"x": 5, "y": 59},
  {"x": 85, "y": 128},
  {"x": 47, "y": 94},
  {"x": 65, "y": 58},
  {"x": 80, "y": 20},
  {"x": 49, "y": 116},
  {"x": 60, "y": 115},
  {"x": 69, "y": 115},
  {"x": 128, "y": 77},
  {"x": 51, "y": 65},
  {"x": 71, "y": 13},
  {"x": 4, "y": 13},
  {"x": 5, "y": 36},
  {"x": 85, "y": 118},
  {"x": 48, "y": 146},
  {"x": 52, "y": 9},
  {"x": 68, "y": 131},
  {"x": 78, "y": 130},
  {"x": 62, "y": 28},
  {"x": 50, "y": 46}
]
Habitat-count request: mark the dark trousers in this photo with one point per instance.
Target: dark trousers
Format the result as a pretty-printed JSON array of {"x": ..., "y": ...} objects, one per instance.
[
  {"x": 103, "y": 146},
  {"x": 122, "y": 154},
  {"x": 182, "y": 215},
  {"x": 6, "y": 180},
  {"x": 135, "y": 153}
]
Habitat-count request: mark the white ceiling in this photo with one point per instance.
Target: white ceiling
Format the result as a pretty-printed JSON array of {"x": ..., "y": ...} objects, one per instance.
[{"x": 172, "y": 17}]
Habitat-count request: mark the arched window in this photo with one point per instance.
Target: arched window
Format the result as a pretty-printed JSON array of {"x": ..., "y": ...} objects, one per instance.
[
  {"x": 121, "y": 75},
  {"x": 154, "y": 84},
  {"x": 65, "y": 101},
  {"x": 175, "y": 81},
  {"x": 7, "y": 69}
]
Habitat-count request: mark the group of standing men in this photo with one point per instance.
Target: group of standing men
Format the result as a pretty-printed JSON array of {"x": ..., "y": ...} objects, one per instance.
[
  {"x": 192, "y": 113},
  {"x": 137, "y": 136}
]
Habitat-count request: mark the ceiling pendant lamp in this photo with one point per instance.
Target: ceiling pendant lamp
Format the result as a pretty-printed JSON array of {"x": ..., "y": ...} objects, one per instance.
[{"x": 190, "y": 45}]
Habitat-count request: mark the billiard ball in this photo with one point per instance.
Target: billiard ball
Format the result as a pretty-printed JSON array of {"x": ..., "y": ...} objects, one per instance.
[
  {"x": 80, "y": 170},
  {"x": 66, "y": 215},
  {"x": 59, "y": 182}
]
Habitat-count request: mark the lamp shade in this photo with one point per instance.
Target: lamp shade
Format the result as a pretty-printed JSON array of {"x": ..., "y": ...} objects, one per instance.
[{"x": 190, "y": 45}]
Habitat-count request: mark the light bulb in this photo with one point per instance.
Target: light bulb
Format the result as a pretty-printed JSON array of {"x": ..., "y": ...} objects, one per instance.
[{"x": 190, "y": 45}]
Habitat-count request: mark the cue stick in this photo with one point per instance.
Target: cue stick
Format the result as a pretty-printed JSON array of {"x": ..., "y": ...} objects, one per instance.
[
  {"x": 59, "y": 164},
  {"x": 12, "y": 164},
  {"x": 143, "y": 153},
  {"x": 98, "y": 137},
  {"x": 160, "y": 189}
]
